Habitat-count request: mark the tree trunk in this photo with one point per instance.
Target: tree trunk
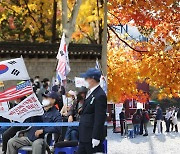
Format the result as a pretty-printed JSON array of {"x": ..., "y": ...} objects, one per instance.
[
  {"x": 104, "y": 43},
  {"x": 53, "y": 39},
  {"x": 69, "y": 26}
]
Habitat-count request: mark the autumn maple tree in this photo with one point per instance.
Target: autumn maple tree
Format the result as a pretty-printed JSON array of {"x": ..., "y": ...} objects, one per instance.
[
  {"x": 155, "y": 61},
  {"x": 43, "y": 20}
]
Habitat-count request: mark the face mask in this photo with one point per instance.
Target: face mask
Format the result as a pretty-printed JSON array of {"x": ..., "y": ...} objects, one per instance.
[
  {"x": 36, "y": 80},
  {"x": 56, "y": 82},
  {"x": 45, "y": 102},
  {"x": 87, "y": 84}
]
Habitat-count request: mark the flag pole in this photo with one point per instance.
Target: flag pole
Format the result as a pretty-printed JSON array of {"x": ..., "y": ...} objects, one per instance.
[{"x": 100, "y": 67}]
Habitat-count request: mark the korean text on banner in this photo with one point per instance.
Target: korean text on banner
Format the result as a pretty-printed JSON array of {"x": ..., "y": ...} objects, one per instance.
[
  {"x": 80, "y": 82},
  {"x": 29, "y": 107},
  {"x": 4, "y": 107}
]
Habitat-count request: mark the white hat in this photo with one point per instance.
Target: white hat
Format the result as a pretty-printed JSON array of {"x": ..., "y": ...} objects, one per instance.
[{"x": 73, "y": 93}]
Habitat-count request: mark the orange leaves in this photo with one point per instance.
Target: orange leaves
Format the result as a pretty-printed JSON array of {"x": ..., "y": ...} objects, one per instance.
[
  {"x": 77, "y": 35},
  {"x": 159, "y": 21},
  {"x": 11, "y": 22}
]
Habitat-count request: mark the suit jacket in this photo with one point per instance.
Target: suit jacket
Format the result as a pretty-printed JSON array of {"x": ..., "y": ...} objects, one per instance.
[{"x": 93, "y": 116}]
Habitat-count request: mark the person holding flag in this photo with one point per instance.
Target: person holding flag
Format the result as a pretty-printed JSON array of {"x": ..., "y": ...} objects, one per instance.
[{"x": 93, "y": 115}]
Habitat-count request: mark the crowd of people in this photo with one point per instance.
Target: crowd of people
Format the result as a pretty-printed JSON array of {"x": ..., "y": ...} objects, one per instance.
[
  {"x": 141, "y": 118},
  {"x": 55, "y": 111},
  {"x": 58, "y": 110}
]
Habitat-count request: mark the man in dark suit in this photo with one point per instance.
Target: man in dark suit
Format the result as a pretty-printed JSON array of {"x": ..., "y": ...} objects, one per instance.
[{"x": 93, "y": 116}]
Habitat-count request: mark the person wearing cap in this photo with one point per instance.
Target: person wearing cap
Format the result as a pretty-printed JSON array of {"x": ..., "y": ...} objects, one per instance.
[
  {"x": 35, "y": 135},
  {"x": 93, "y": 115}
]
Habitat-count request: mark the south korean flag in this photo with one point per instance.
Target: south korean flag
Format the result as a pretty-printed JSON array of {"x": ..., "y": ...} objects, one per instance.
[{"x": 14, "y": 69}]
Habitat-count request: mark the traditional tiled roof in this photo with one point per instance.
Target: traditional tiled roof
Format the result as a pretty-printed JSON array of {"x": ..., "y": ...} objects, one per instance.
[{"x": 45, "y": 50}]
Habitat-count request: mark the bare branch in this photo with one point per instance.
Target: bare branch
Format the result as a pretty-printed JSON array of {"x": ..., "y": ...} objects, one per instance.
[{"x": 125, "y": 41}]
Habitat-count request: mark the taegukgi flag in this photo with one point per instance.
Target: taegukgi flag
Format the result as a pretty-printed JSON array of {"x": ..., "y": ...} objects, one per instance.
[
  {"x": 63, "y": 67},
  {"x": 13, "y": 69},
  {"x": 29, "y": 107}
]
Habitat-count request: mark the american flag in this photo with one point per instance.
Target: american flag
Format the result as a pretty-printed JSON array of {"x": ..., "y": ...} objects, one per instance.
[
  {"x": 61, "y": 68},
  {"x": 22, "y": 89}
]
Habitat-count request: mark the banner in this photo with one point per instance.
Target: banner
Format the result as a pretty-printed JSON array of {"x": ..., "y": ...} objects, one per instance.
[
  {"x": 80, "y": 82},
  {"x": 63, "y": 67},
  {"x": 29, "y": 107},
  {"x": 13, "y": 69},
  {"x": 22, "y": 89},
  {"x": 4, "y": 107},
  {"x": 140, "y": 105},
  {"x": 118, "y": 109}
]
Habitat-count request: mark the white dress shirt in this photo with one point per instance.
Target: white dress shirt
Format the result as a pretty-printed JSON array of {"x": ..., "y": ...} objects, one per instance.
[{"x": 91, "y": 90}]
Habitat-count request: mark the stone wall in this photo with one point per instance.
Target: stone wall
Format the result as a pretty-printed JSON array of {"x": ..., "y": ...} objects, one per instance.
[
  {"x": 41, "y": 60},
  {"x": 45, "y": 67}
]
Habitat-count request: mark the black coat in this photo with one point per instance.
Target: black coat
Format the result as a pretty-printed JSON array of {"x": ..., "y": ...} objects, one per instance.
[{"x": 93, "y": 116}]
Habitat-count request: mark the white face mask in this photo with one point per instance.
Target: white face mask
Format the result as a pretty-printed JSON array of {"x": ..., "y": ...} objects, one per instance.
[
  {"x": 56, "y": 82},
  {"x": 36, "y": 80},
  {"x": 87, "y": 84},
  {"x": 45, "y": 102}
]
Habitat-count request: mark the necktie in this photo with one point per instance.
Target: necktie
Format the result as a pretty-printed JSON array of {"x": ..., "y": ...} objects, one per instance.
[{"x": 88, "y": 93}]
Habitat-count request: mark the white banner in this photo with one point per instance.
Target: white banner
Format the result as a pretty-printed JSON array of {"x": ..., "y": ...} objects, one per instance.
[
  {"x": 79, "y": 82},
  {"x": 3, "y": 107},
  {"x": 13, "y": 69},
  {"x": 29, "y": 107},
  {"x": 140, "y": 105},
  {"x": 118, "y": 109}
]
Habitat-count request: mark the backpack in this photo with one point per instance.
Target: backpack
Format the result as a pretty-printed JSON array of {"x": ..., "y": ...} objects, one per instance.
[
  {"x": 137, "y": 118},
  {"x": 147, "y": 116}
]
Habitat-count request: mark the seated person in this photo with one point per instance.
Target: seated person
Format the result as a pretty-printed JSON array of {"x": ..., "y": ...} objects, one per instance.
[
  {"x": 72, "y": 132},
  {"x": 11, "y": 131},
  {"x": 35, "y": 134}
]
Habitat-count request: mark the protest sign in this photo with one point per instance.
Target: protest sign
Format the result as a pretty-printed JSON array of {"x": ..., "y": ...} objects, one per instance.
[
  {"x": 29, "y": 107},
  {"x": 118, "y": 109},
  {"x": 20, "y": 90},
  {"x": 13, "y": 69},
  {"x": 79, "y": 82},
  {"x": 4, "y": 107},
  {"x": 139, "y": 105}
]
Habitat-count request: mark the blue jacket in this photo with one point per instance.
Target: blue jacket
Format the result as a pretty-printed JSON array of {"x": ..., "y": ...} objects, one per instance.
[
  {"x": 52, "y": 115},
  {"x": 159, "y": 114}
]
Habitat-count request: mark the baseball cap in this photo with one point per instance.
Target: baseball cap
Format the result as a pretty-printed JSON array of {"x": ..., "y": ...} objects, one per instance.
[
  {"x": 92, "y": 73},
  {"x": 52, "y": 95}
]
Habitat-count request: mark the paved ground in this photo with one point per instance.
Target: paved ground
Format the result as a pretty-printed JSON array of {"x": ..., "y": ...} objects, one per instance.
[{"x": 166, "y": 143}]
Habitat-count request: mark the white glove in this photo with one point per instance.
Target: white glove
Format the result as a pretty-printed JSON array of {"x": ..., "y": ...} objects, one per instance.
[{"x": 95, "y": 142}]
